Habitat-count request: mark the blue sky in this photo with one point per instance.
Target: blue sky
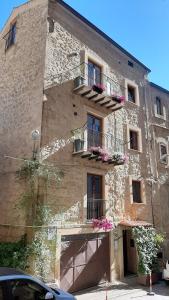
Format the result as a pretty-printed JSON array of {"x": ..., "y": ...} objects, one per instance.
[{"x": 140, "y": 26}]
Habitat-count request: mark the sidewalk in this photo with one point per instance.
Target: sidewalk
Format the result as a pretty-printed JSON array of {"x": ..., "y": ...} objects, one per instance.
[{"x": 125, "y": 291}]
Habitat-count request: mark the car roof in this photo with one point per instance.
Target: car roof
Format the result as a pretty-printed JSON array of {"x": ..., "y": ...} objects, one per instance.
[{"x": 4, "y": 271}]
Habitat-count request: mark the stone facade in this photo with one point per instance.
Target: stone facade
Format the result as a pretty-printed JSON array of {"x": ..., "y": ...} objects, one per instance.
[
  {"x": 53, "y": 46},
  {"x": 159, "y": 128},
  {"x": 21, "y": 93}
]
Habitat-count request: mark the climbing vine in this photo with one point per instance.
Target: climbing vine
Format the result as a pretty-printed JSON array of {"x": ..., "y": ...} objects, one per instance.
[
  {"x": 33, "y": 174},
  {"x": 148, "y": 242}
]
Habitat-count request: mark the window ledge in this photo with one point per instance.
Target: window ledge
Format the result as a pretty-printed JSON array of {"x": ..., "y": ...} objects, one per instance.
[
  {"x": 138, "y": 151},
  {"x": 162, "y": 117},
  {"x": 140, "y": 203},
  {"x": 135, "y": 104}
]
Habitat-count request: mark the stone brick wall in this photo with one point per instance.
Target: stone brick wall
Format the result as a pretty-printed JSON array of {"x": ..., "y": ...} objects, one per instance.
[
  {"x": 21, "y": 95},
  {"x": 160, "y": 134},
  {"x": 69, "y": 36}
]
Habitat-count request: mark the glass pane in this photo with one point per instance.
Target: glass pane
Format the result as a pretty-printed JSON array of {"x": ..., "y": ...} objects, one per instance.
[
  {"x": 136, "y": 191},
  {"x": 94, "y": 131},
  {"x": 133, "y": 140},
  {"x": 27, "y": 290},
  {"x": 90, "y": 74},
  {"x": 97, "y": 74},
  {"x": 131, "y": 94},
  {"x": 1, "y": 293}
]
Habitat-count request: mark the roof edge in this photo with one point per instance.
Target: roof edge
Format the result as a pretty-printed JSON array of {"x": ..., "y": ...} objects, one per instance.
[
  {"x": 159, "y": 87},
  {"x": 99, "y": 31}
]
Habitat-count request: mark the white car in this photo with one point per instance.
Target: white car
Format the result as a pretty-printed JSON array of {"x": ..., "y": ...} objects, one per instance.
[{"x": 15, "y": 285}]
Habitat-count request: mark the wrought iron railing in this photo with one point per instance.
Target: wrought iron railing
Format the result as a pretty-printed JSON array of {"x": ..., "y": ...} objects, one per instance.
[
  {"x": 95, "y": 208},
  {"x": 81, "y": 76},
  {"x": 86, "y": 138}
]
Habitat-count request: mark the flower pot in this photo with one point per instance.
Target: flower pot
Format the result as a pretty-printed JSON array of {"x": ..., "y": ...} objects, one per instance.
[
  {"x": 78, "y": 145},
  {"x": 79, "y": 81},
  {"x": 97, "y": 89}
]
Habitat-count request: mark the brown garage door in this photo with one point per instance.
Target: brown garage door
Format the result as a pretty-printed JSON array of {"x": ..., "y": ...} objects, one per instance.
[{"x": 84, "y": 261}]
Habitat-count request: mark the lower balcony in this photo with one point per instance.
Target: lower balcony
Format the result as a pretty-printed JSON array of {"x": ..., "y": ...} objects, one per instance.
[
  {"x": 95, "y": 209},
  {"x": 99, "y": 147}
]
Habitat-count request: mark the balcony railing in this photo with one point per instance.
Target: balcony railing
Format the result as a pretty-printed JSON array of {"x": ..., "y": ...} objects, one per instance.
[
  {"x": 101, "y": 90},
  {"x": 95, "y": 208},
  {"x": 98, "y": 146}
]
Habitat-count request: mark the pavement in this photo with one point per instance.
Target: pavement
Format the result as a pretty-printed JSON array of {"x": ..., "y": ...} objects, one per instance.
[{"x": 128, "y": 289}]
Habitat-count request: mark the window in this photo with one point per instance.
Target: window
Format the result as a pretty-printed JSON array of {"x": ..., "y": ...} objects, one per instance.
[
  {"x": 94, "y": 134},
  {"x": 163, "y": 153},
  {"x": 94, "y": 197},
  {"x": 130, "y": 63},
  {"x": 27, "y": 289},
  {"x": 159, "y": 108},
  {"x": 136, "y": 191},
  {"x": 94, "y": 73},
  {"x": 134, "y": 140},
  {"x": 2, "y": 292},
  {"x": 131, "y": 94},
  {"x": 11, "y": 36}
]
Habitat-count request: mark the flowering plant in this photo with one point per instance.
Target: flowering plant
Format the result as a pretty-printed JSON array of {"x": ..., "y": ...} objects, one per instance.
[
  {"x": 102, "y": 153},
  {"x": 120, "y": 158},
  {"x": 119, "y": 99},
  {"x": 99, "y": 88},
  {"x": 102, "y": 224}
]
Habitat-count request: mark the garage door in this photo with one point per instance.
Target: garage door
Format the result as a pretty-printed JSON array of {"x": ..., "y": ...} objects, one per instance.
[{"x": 84, "y": 261}]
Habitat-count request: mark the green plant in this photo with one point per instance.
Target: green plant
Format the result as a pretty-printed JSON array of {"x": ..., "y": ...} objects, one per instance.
[
  {"x": 33, "y": 173},
  {"x": 148, "y": 242},
  {"x": 14, "y": 254}
]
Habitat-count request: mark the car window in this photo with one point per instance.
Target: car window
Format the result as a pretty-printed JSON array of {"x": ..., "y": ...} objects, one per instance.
[
  {"x": 27, "y": 290},
  {"x": 2, "y": 297}
]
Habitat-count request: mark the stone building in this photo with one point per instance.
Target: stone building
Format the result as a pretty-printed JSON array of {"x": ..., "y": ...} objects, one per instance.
[{"x": 93, "y": 106}]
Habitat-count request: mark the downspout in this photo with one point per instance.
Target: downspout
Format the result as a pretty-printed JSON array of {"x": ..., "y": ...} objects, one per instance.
[{"x": 146, "y": 83}]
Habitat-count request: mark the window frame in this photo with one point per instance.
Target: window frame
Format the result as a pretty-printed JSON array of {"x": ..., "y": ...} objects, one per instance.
[
  {"x": 134, "y": 86},
  {"x": 99, "y": 131},
  {"x": 95, "y": 65},
  {"x": 163, "y": 109},
  {"x": 10, "y": 37},
  {"x": 159, "y": 107},
  {"x": 162, "y": 155},
  {"x": 139, "y": 138},
  {"x": 142, "y": 190}
]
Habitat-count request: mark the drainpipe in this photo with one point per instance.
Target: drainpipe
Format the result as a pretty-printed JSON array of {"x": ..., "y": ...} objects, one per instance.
[{"x": 149, "y": 147}]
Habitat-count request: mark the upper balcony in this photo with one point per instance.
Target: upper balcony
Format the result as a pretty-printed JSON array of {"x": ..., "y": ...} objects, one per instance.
[
  {"x": 98, "y": 88},
  {"x": 98, "y": 146}
]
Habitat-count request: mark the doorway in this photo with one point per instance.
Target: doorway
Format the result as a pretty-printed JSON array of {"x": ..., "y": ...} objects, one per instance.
[{"x": 129, "y": 253}]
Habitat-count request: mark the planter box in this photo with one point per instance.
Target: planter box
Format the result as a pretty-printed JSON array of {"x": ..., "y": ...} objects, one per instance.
[
  {"x": 97, "y": 89},
  {"x": 78, "y": 145},
  {"x": 78, "y": 81},
  {"x": 145, "y": 279}
]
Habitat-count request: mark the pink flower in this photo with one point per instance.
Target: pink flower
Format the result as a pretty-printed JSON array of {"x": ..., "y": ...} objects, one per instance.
[
  {"x": 120, "y": 99},
  {"x": 103, "y": 223}
]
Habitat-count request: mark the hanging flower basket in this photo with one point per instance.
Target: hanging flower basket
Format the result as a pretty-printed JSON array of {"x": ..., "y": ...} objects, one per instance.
[{"x": 99, "y": 88}]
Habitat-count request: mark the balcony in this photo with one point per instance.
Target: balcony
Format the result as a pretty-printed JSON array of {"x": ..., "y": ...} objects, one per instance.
[
  {"x": 100, "y": 147},
  {"x": 95, "y": 208},
  {"x": 102, "y": 90}
]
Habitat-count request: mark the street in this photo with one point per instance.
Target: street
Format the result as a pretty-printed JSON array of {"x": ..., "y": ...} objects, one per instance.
[{"x": 125, "y": 291}]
